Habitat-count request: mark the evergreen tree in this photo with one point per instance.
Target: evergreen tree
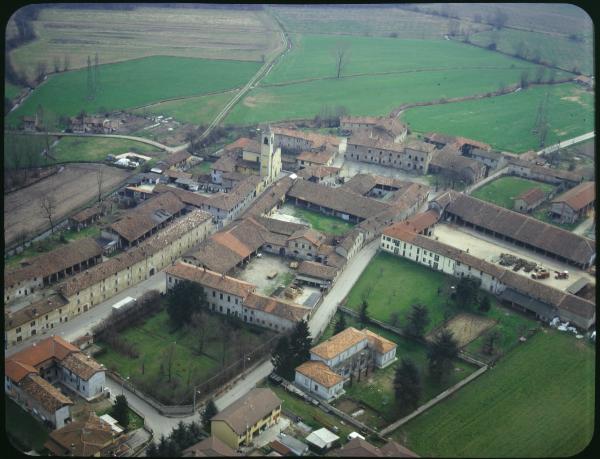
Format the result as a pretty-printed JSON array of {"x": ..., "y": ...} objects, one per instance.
[
  {"x": 484, "y": 303},
  {"x": 179, "y": 435},
  {"x": 418, "y": 319},
  {"x": 300, "y": 344},
  {"x": 363, "y": 313},
  {"x": 407, "y": 385},
  {"x": 209, "y": 412},
  {"x": 440, "y": 353},
  {"x": 120, "y": 411},
  {"x": 466, "y": 292},
  {"x": 281, "y": 359},
  {"x": 489, "y": 342},
  {"x": 183, "y": 300},
  {"x": 152, "y": 450},
  {"x": 340, "y": 324}
]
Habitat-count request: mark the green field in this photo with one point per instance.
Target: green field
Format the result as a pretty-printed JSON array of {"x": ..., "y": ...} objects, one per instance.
[
  {"x": 506, "y": 122},
  {"x": 504, "y": 190},
  {"x": 536, "y": 402},
  {"x": 392, "y": 284},
  {"x": 135, "y": 421},
  {"x": 377, "y": 391},
  {"x": 27, "y": 431},
  {"x": 541, "y": 213},
  {"x": 553, "y": 49},
  {"x": 10, "y": 90},
  {"x": 195, "y": 110},
  {"x": 318, "y": 221},
  {"x": 135, "y": 83},
  {"x": 313, "y": 57},
  {"x": 364, "y": 95},
  {"x": 97, "y": 148},
  {"x": 153, "y": 338}
]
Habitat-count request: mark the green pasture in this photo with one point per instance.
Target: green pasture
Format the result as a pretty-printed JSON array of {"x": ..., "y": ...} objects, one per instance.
[
  {"x": 536, "y": 402},
  {"x": 28, "y": 432},
  {"x": 11, "y": 90},
  {"x": 504, "y": 190},
  {"x": 318, "y": 221},
  {"x": 96, "y": 148},
  {"x": 134, "y": 83},
  {"x": 507, "y": 122}
]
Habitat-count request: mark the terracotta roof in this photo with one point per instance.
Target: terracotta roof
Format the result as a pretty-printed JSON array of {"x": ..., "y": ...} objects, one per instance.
[
  {"x": 244, "y": 143},
  {"x": 83, "y": 438},
  {"x": 439, "y": 137},
  {"x": 336, "y": 198},
  {"x": 187, "y": 197},
  {"x": 52, "y": 262},
  {"x": 278, "y": 226},
  {"x": 44, "y": 393},
  {"x": 211, "y": 279},
  {"x": 317, "y": 270},
  {"x": 226, "y": 163},
  {"x": 145, "y": 249},
  {"x": 16, "y": 370},
  {"x": 358, "y": 448},
  {"x": 313, "y": 236},
  {"x": 275, "y": 306},
  {"x": 393, "y": 449},
  {"x": 532, "y": 196},
  {"x": 50, "y": 348},
  {"x": 176, "y": 158},
  {"x": 489, "y": 154},
  {"x": 578, "y": 197},
  {"x": 523, "y": 228},
  {"x": 363, "y": 183},
  {"x": 454, "y": 162},
  {"x": 360, "y": 119},
  {"x": 209, "y": 447},
  {"x": 249, "y": 409},
  {"x": 460, "y": 141},
  {"x": 578, "y": 306},
  {"x": 231, "y": 242},
  {"x": 269, "y": 198},
  {"x": 228, "y": 201},
  {"x": 33, "y": 311},
  {"x": 147, "y": 216},
  {"x": 379, "y": 343},
  {"x": 173, "y": 173},
  {"x": 318, "y": 171},
  {"x": 320, "y": 373},
  {"x": 317, "y": 140},
  {"x": 320, "y": 157},
  {"x": 85, "y": 214},
  {"x": 338, "y": 343},
  {"x": 543, "y": 170},
  {"x": 423, "y": 220},
  {"x": 215, "y": 256},
  {"x": 83, "y": 366}
]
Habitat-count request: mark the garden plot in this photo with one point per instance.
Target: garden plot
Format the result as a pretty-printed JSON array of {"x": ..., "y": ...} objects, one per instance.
[{"x": 465, "y": 328}]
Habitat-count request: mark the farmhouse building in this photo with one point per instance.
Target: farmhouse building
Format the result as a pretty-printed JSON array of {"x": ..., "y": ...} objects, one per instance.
[
  {"x": 574, "y": 204},
  {"x": 237, "y": 298},
  {"x": 411, "y": 156},
  {"x": 30, "y": 123},
  {"x": 103, "y": 281},
  {"x": 386, "y": 129},
  {"x": 247, "y": 417},
  {"x": 529, "y": 200},
  {"x": 319, "y": 158},
  {"x": 295, "y": 141},
  {"x": 93, "y": 437},
  {"x": 374, "y": 185},
  {"x": 145, "y": 220},
  {"x": 544, "y": 301},
  {"x": 450, "y": 164},
  {"x": 519, "y": 229},
  {"x": 85, "y": 217},
  {"x": 94, "y": 124},
  {"x": 321, "y": 174},
  {"x": 531, "y": 170},
  {"x": 51, "y": 267},
  {"x": 346, "y": 355},
  {"x": 210, "y": 447},
  {"x": 316, "y": 274},
  {"x": 357, "y": 447},
  {"x": 491, "y": 159},
  {"x": 30, "y": 377},
  {"x": 464, "y": 145}
]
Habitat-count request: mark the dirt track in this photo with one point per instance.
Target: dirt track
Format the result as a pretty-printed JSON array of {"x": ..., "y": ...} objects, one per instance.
[{"x": 72, "y": 188}]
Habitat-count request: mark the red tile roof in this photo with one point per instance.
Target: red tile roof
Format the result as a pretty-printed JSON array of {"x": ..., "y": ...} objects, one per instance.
[{"x": 578, "y": 197}]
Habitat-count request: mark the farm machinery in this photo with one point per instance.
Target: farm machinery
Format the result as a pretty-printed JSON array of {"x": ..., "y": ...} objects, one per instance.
[{"x": 561, "y": 274}]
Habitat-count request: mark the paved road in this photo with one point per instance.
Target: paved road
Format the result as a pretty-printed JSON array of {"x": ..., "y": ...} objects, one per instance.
[
  {"x": 583, "y": 227},
  {"x": 566, "y": 143},
  {"x": 84, "y": 322}
]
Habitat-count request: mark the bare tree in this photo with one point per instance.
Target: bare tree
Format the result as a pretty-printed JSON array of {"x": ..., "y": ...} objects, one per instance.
[
  {"x": 341, "y": 54},
  {"x": 48, "y": 206},
  {"x": 41, "y": 70},
  {"x": 100, "y": 181},
  {"x": 66, "y": 62}
]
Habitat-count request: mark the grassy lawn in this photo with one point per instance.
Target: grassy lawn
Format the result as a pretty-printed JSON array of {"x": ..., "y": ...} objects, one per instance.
[
  {"x": 540, "y": 397},
  {"x": 135, "y": 421},
  {"x": 96, "y": 148},
  {"x": 312, "y": 57},
  {"x": 310, "y": 414},
  {"x": 506, "y": 122},
  {"x": 551, "y": 48},
  {"x": 205, "y": 167},
  {"x": 320, "y": 222},
  {"x": 23, "y": 427},
  {"x": 152, "y": 340},
  {"x": 504, "y": 190},
  {"x": 11, "y": 90},
  {"x": 377, "y": 391},
  {"x": 51, "y": 243},
  {"x": 392, "y": 284},
  {"x": 365, "y": 95},
  {"x": 195, "y": 110},
  {"x": 541, "y": 213},
  {"x": 158, "y": 78}
]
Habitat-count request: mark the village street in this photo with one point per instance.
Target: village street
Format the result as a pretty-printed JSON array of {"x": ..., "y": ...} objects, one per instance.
[{"x": 83, "y": 323}]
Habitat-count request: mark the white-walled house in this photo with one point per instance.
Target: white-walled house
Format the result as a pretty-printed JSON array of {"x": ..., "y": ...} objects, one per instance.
[
  {"x": 317, "y": 378},
  {"x": 339, "y": 348},
  {"x": 384, "y": 350}
]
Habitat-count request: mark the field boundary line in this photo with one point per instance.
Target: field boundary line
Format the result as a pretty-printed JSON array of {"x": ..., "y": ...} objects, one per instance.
[{"x": 173, "y": 99}]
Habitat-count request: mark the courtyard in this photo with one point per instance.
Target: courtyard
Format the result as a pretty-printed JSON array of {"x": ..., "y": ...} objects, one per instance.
[
  {"x": 489, "y": 248},
  {"x": 317, "y": 221},
  {"x": 259, "y": 268},
  {"x": 504, "y": 190}
]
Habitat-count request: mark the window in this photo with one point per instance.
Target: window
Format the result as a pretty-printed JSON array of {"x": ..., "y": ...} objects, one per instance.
[
  {"x": 214, "y": 293},
  {"x": 220, "y": 296},
  {"x": 228, "y": 299},
  {"x": 32, "y": 323},
  {"x": 18, "y": 330}
]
